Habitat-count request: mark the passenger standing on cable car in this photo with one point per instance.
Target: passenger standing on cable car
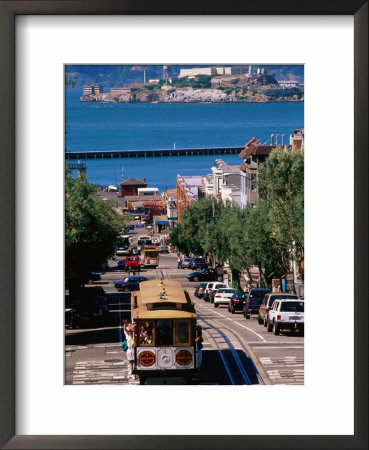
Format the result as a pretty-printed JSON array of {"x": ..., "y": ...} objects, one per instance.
[{"x": 199, "y": 340}]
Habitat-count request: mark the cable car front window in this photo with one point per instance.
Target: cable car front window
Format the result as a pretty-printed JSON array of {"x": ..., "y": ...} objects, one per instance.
[
  {"x": 182, "y": 332},
  {"x": 164, "y": 330}
]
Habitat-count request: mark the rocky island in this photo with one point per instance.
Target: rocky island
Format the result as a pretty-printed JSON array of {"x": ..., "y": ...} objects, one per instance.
[{"x": 259, "y": 87}]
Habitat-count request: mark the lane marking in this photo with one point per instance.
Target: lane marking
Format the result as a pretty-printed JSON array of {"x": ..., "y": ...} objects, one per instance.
[
  {"x": 271, "y": 348},
  {"x": 247, "y": 328}
]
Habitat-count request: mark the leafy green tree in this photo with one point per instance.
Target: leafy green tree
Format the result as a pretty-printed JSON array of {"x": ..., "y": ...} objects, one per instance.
[
  {"x": 91, "y": 228},
  {"x": 281, "y": 189},
  {"x": 198, "y": 231},
  {"x": 260, "y": 246}
]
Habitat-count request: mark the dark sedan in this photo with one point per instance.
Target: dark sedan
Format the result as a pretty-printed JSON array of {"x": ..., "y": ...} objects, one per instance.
[
  {"x": 236, "y": 303},
  {"x": 122, "y": 264},
  {"x": 205, "y": 275},
  {"x": 130, "y": 283}
]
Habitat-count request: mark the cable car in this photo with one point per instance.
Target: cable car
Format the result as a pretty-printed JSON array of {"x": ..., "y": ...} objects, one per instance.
[
  {"x": 166, "y": 328},
  {"x": 149, "y": 257}
]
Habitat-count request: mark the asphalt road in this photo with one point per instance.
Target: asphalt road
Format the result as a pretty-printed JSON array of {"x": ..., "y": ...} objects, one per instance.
[{"x": 236, "y": 350}]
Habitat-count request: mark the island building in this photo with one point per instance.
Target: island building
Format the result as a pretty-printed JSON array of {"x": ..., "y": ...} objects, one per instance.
[
  {"x": 128, "y": 92},
  {"x": 193, "y": 72},
  {"x": 231, "y": 70},
  {"x": 92, "y": 89},
  {"x": 288, "y": 84}
]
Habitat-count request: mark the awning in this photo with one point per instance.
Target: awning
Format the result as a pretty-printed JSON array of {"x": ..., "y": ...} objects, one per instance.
[{"x": 161, "y": 222}]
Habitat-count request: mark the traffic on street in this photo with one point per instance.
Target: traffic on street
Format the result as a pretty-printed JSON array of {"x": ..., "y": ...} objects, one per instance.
[{"x": 239, "y": 346}]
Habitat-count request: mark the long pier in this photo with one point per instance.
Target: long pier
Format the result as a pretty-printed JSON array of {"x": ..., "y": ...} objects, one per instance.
[{"x": 103, "y": 154}]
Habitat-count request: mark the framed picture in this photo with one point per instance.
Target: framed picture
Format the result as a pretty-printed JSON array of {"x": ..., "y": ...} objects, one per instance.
[{"x": 35, "y": 399}]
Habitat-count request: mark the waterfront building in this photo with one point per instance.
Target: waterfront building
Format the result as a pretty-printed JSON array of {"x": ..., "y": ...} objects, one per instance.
[{"x": 130, "y": 187}]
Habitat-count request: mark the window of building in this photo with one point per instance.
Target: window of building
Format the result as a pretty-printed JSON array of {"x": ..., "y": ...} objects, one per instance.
[{"x": 253, "y": 181}]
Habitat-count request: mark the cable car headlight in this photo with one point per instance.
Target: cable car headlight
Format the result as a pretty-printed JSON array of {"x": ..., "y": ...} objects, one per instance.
[{"x": 165, "y": 358}]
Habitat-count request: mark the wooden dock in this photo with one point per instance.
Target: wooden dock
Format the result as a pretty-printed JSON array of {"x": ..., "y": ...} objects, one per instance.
[{"x": 103, "y": 154}]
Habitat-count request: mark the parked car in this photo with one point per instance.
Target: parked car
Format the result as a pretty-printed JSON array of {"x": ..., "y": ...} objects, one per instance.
[
  {"x": 94, "y": 276},
  {"x": 210, "y": 287},
  {"x": 186, "y": 263},
  {"x": 222, "y": 295},
  {"x": 205, "y": 275},
  {"x": 133, "y": 263},
  {"x": 164, "y": 249},
  {"x": 155, "y": 240},
  {"x": 237, "y": 301},
  {"x": 134, "y": 250},
  {"x": 88, "y": 311},
  {"x": 130, "y": 283},
  {"x": 85, "y": 293},
  {"x": 121, "y": 264},
  {"x": 286, "y": 315},
  {"x": 199, "y": 290},
  {"x": 122, "y": 249},
  {"x": 198, "y": 263},
  {"x": 267, "y": 305},
  {"x": 253, "y": 301}
]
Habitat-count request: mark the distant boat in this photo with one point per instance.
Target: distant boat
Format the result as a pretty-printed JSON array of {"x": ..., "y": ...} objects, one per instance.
[{"x": 112, "y": 188}]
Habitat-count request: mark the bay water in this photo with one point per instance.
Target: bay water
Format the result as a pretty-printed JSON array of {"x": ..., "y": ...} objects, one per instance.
[{"x": 130, "y": 126}]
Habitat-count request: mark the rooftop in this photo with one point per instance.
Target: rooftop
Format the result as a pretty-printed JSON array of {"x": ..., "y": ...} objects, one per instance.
[{"x": 133, "y": 182}]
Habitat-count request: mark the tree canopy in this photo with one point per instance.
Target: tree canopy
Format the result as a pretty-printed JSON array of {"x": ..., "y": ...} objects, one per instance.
[
  {"x": 268, "y": 235},
  {"x": 91, "y": 228}
]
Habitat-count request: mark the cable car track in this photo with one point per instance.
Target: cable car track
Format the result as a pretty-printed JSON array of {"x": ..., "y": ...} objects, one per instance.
[
  {"x": 242, "y": 376},
  {"x": 233, "y": 363}
]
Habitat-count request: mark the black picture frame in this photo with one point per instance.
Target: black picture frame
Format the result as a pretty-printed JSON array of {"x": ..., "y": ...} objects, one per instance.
[{"x": 8, "y": 11}]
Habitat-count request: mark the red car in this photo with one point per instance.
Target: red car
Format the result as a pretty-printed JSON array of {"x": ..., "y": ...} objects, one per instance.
[
  {"x": 133, "y": 263},
  {"x": 198, "y": 263}
]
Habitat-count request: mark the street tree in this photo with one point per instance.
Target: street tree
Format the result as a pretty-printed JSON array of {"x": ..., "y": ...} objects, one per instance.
[
  {"x": 281, "y": 190},
  {"x": 91, "y": 228}
]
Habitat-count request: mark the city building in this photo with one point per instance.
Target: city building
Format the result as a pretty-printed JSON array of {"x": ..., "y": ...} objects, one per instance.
[
  {"x": 130, "y": 187},
  {"x": 297, "y": 139},
  {"x": 170, "y": 204},
  {"x": 144, "y": 192},
  {"x": 187, "y": 192},
  {"x": 226, "y": 182},
  {"x": 253, "y": 154}
]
